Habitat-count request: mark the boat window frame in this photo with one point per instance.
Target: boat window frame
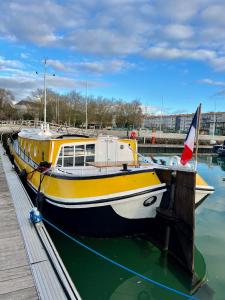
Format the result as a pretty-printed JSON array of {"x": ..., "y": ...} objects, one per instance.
[{"x": 61, "y": 148}]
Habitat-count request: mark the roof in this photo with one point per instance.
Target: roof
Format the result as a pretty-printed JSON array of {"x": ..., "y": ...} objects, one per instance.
[{"x": 40, "y": 134}]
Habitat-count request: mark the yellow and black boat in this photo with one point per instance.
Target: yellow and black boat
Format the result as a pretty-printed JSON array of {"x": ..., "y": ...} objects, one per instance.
[{"x": 94, "y": 185}]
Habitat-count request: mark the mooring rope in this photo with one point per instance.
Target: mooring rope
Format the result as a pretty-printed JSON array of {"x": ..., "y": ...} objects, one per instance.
[{"x": 161, "y": 285}]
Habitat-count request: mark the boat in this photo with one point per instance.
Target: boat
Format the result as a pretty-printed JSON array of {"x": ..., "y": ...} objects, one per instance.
[
  {"x": 221, "y": 151},
  {"x": 95, "y": 186}
]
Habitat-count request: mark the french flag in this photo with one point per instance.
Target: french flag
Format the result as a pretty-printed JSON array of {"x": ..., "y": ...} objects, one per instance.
[{"x": 190, "y": 139}]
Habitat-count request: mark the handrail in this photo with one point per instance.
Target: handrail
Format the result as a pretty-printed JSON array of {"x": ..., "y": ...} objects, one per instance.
[{"x": 61, "y": 127}]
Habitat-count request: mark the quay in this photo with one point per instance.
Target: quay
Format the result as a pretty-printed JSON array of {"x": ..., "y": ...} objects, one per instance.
[
  {"x": 30, "y": 267},
  {"x": 170, "y": 148}
]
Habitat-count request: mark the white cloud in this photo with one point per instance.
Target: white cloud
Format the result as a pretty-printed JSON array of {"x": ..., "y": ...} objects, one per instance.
[
  {"x": 178, "y": 32},
  {"x": 105, "y": 66},
  {"x": 23, "y": 85},
  {"x": 176, "y": 53},
  {"x": 104, "y": 41},
  {"x": 58, "y": 65},
  {"x": 179, "y": 10},
  {"x": 214, "y": 13},
  {"x": 6, "y": 63},
  {"x": 108, "y": 32},
  {"x": 24, "y": 55},
  {"x": 211, "y": 82}
]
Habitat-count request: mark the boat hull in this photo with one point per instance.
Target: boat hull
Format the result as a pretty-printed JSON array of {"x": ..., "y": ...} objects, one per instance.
[
  {"x": 109, "y": 205},
  {"x": 95, "y": 221},
  {"x": 125, "y": 216}
]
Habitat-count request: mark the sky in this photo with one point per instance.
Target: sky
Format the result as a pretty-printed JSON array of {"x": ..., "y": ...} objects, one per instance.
[{"x": 168, "y": 54}]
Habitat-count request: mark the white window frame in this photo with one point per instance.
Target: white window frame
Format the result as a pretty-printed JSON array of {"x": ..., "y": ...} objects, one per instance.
[{"x": 75, "y": 144}]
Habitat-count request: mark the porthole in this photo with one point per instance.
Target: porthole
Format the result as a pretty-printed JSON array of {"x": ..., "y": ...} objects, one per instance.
[{"x": 150, "y": 201}]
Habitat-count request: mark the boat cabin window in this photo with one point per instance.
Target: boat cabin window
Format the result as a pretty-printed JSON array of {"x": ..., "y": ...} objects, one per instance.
[{"x": 76, "y": 155}]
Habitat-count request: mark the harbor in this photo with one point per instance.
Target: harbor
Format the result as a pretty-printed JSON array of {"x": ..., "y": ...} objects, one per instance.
[
  {"x": 112, "y": 150},
  {"x": 149, "y": 264}
]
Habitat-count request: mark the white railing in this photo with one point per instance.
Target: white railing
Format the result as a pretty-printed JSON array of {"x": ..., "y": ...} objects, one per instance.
[{"x": 65, "y": 129}]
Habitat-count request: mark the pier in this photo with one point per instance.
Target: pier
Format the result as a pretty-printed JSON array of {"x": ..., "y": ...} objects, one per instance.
[{"x": 30, "y": 267}]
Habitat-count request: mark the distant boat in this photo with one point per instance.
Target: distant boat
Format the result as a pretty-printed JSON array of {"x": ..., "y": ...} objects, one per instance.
[
  {"x": 221, "y": 151},
  {"x": 96, "y": 186}
]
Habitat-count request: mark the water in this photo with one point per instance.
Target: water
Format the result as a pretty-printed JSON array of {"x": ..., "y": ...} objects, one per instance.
[
  {"x": 100, "y": 280},
  {"x": 210, "y": 225}
]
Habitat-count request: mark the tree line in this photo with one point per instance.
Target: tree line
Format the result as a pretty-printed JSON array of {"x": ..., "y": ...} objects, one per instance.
[{"x": 70, "y": 109}]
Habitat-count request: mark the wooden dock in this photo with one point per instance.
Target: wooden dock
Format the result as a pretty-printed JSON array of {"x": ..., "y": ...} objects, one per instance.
[
  {"x": 16, "y": 280},
  {"x": 30, "y": 267}
]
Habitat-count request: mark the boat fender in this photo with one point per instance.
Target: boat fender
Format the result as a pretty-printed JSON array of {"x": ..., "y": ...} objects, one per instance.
[
  {"x": 174, "y": 161},
  {"x": 35, "y": 215},
  {"x": 11, "y": 157},
  {"x": 40, "y": 201},
  {"x": 23, "y": 175}
]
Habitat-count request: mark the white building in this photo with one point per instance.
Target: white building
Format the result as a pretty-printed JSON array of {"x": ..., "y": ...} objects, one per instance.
[{"x": 181, "y": 123}]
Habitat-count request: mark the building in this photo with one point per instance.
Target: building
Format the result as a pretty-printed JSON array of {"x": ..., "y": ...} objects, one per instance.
[{"x": 181, "y": 123}]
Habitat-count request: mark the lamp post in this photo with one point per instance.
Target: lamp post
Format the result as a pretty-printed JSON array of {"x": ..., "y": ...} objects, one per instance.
[
  {"x": 45, "y": 94},
  {"x": 214, "y": 120},
  {"x": 160, "y": 128},
  {"x": 86, "y": 112}
]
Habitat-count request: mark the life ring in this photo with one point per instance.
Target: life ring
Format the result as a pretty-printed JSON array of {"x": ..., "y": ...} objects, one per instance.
[{"x": 133, "y": 135}]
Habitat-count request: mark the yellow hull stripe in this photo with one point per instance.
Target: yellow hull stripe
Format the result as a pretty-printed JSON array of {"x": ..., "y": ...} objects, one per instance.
[{"x": 84, "y": 188}]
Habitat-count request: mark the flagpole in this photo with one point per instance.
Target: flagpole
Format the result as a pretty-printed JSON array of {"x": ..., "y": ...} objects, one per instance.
[{"x": 197, "y": 136}]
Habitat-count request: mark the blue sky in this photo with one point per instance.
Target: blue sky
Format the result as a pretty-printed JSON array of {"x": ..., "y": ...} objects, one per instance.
[{"x": 130, "y": 49}]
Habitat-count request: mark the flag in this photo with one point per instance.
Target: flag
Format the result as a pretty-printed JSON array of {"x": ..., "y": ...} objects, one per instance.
[{"x": 190, "y": 139}]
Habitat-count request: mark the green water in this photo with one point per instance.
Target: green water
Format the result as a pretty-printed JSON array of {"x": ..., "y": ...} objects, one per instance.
[
  {"x": 210, "y": 225},
  {"x": 97, "y": 279}
]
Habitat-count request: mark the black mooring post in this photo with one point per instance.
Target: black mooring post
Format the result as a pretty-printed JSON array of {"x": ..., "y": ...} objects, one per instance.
[
  {"x": 173, "y": 228},
  {"x": 170, "y": 208}
]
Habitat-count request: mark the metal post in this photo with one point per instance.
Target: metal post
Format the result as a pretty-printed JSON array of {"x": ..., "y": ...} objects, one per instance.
[
  {"x": 45, "y": 102},
  {"x": 197, "y": 136},
  {"x": 214, "y": 120},
  {"x": 161, "y": 117},
  {"x": 86, "y": 122}
]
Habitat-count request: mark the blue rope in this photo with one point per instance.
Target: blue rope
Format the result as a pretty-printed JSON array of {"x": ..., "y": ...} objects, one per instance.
[{"x": 121, "y": 266}]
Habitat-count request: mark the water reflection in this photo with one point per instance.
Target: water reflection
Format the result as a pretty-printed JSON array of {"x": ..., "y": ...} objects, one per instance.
[
  {"x": 214, "y": 160},
  {"x": 106, "y": 281},
  {"x": 210, "y": 224}
]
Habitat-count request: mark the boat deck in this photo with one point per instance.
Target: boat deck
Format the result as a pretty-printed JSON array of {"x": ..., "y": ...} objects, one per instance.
[{"x": 26, "y": 270}]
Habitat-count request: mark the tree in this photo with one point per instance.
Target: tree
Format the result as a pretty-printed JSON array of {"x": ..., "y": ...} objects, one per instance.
[{"x": 7, "y": 110}]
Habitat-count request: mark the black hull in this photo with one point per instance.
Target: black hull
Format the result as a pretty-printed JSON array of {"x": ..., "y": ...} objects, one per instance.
[
  {"x": 95, "y": 221},
  {"x": 100, "y": 221}
]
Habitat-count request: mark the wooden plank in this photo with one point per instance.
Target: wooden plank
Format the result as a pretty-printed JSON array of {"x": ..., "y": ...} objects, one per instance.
[
  {"x": 23, "y": 294},
  {"x": 12, "y": 253},
  {"x": 10, "y": 274},
  {"x": 16, "y": 281}
]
